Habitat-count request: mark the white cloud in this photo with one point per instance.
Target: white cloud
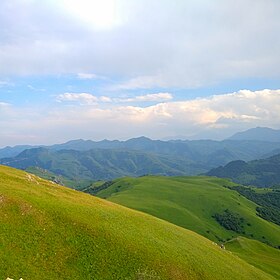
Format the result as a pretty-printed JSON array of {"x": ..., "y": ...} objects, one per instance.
[
  {"x": 98, "y": 15},
  {"x": 162, "y": 96},
  {"x": 89, "y": 99},
  {"x": 226, "y": 113},
  {"x": 192, "y": 44},
  {"x": 89, "y": 76},
  {"x": 5, "y": 84},
  {"x": 82, "y": 98},
  {"x": 141, "y": 82},
  {"x": 4, "y": 104},
  {"x": 35, "y": 88},
  {"x": 105, "y": 99},
  {"x": 153, "y": 97},
  {"x": 218, "y": 116}
]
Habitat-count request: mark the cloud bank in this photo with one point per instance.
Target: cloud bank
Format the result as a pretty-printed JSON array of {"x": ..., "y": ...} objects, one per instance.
[
  {"x": 90, "y": 99},
  {"x": 183, "y": 44},
  {"x": 217, "y": 116}
]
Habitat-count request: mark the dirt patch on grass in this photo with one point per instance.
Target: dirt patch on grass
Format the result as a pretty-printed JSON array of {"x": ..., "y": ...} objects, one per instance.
[
  {"x": 2, "y": 199},
  {"x": 32, "y": 178}
]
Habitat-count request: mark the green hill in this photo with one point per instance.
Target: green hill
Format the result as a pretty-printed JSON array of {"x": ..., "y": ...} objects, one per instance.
[
  {"x": 257, "y": 254},
  {"x": 261, "y": 173},
  {"x": 52, "y": 232},
  {"x": 205, "y": 206},
  {"x": 200, "y": 204}
]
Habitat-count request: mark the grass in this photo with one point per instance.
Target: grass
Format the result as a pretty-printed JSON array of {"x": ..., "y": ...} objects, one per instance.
[
  {"x": 257, "y": 254},
  {"x": 191, "y": 202},
  {"x": 52, "y": 232}
]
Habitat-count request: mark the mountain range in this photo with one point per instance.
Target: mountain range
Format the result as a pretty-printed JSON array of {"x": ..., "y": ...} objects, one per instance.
[
  {"x": 101, "y": 164},
  {"x": 259, "y": 134},
  {"x": 85, "y": 160},
  {"x": 251, "y": 144}
]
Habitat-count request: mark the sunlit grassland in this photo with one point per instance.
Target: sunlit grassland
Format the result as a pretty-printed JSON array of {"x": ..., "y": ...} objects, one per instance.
[
  {"x": 52, "y": 232},
  {"x": 191, "y": 202},
  {"x": 256, "y": 253}
]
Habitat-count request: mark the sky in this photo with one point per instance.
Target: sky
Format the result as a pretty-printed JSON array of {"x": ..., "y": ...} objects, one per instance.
[{"x": 117, "y": 69}]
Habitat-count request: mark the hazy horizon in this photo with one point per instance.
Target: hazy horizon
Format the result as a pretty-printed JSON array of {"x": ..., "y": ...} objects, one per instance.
[{"x": 171, "y": 138}]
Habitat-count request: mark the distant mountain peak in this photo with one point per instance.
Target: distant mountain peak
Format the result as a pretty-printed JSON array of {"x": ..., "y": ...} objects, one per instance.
[
  {"x": 76, "y": 141},
  {"x": 258, "y": 134},
  {"x": 138, "y": 139}
]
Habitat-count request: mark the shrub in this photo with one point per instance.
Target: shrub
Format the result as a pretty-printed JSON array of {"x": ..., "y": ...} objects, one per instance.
[{"x": 230, "y": 221}]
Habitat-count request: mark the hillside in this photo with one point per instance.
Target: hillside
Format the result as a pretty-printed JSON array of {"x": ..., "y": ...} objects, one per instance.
[
  {"x": 256, "y": 253},
  {"x": 52, "y": 232},
  {"x": 258, "y": 134},
  {"x": 261, "y": 173},
  {"x": 195, "y": 203},
  {"x": 101, "y": 164}
]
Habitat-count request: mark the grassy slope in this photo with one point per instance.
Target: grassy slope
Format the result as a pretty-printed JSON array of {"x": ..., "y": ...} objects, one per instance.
[
  {"x": 191, "y": 202},
  {"x": 51, "y": 232},
  {"x": 257, "y": 254}
]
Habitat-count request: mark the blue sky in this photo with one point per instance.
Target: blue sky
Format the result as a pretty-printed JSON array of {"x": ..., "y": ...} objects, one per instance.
[{"x": 118, "y": 69}]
